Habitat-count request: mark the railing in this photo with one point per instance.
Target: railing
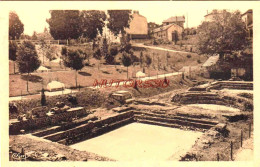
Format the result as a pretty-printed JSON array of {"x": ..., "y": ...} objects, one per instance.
[
  {"x": 231, "y": 147},
  {"x": 38, "y": 42}
]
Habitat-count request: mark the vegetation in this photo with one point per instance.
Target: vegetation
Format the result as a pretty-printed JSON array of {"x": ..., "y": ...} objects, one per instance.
[
  {"x": 126, "y": 60},
  {"x": 13, "y": 52},
  {"x": 118, "y": 20},
  {"x": 92, "y": 22},
  {"x": 16, "y": 27},
  {"x": 73, "y": 59},
  {"x": 27, "y": 59},
  {"x": 148, "y": 61},
  {"x": 65, "y": 24},
  {"x": 216, "y": 37}
]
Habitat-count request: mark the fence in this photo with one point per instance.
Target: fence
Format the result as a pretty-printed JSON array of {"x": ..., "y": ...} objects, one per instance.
[
  {"x": 37, "y": 42},
  {"x": 228, "y": 152}
]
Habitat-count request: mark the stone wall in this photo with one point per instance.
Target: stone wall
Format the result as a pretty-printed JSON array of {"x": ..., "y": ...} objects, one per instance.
[
  {"x": 32, "y": 124},
  {"x": 91, "y": 129}
]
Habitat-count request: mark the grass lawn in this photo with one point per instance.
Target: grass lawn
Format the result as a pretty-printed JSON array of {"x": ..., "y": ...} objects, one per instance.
[{"x": 87, "y": 76}]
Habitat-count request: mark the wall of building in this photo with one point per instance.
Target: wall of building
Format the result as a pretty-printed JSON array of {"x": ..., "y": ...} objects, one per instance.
[
  {"x": 138, "y": 25},
  {"x": 173, "y": 29}
]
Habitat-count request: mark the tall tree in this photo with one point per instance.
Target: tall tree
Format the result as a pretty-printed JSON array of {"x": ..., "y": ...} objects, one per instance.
[
  {"x": 34, "y": 36},
  {"x": 126, "y": 60},
  {"x": 27, "y": 59},
  {"x": 13, "y": 52},
  {"x": 16, "y": 27},
  {"x": 92, "y": 23},
  {"x": 65, "y": 24},
  {"x": 148, "y": 62},
  {"x": 119, "y": 20},
  {"x": 73, "y": 59},
  {"x": 226, "y": 33}
]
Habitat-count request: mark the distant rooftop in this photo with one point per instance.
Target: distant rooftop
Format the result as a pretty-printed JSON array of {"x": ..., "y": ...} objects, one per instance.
[
  {"x": 175, "y": 19},
  {"x": 212, "y": 60},
  {"x": 248, "y": 11},
  {"x": 164, "y": 27}
]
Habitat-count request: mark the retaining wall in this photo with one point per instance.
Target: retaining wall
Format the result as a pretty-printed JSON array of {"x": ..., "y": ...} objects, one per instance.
[
  {"x": 37, "y": 123},
  {"x": 91, "y": 129}
]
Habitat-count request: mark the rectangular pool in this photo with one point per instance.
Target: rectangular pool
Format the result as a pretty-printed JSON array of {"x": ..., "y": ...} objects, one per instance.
[{"x": 139, "y": 142}]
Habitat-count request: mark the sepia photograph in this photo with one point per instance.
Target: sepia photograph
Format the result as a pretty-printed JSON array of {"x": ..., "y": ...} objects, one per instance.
[{"x": 165, "y": 83}]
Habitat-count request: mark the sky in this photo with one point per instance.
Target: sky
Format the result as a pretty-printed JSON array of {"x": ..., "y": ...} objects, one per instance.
[{"x": 34, "y": 17}]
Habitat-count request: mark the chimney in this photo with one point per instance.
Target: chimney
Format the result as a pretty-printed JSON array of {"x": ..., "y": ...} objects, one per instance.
[{"x": 136, "y": 11}]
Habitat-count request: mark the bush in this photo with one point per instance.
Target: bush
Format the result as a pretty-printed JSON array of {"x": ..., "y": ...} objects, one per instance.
[
  {"x": 198, "y": 61},
  {"x": 246, "y": 95},
  {"x": 87, "y": 98},
  {"x": 248, "y": 106},
  {"x": 188, "y": 56},
  {"x": 97, "y": 54},
  {"x": 113, "y": 51}
]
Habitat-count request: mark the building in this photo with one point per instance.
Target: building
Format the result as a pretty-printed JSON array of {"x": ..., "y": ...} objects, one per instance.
[
  {"x": 168, "y": 32},
  {"x": 152, "y": 26},
  {"x": 179, "y": 20},
  {"x": 247, "y": 17},
  {"x": 138, "y": 28},
  {"x": 210, "y": 16}
]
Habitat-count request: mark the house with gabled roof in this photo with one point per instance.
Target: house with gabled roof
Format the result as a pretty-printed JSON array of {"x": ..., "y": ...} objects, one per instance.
[
  {"x": 168, "y": 32},
  {"x": 179, "y": 20}
]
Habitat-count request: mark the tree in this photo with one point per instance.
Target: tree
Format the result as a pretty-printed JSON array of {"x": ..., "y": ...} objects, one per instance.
[
  {"x": 73, "y": 59},
  {"x": 51, "y": 52},
  {"x": 45, "y": 35},
  {"x": 119, "y": 20},
  {"x": 27, "y": 59},
  {"x": 13, "y": 52},
  {"x": 126, "y": 60},
  {"x": 16, "y": 27},
  {"x": 141, "y": 59},
  {"x": 34, "y": 36},
  {"x": 225, "y": 34},
  {"x": 65, "y": 24},
  {"x": 148, "y": 62},
  {"x": 92, "y": 22},
  {"x": 43, "y": 98}
]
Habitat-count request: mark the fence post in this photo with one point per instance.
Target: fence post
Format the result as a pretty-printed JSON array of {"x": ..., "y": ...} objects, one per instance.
[
  {"x": 249, "y": 130},
  {"x": 241, "y": 138},
  {"x": 231, "y": 150},
  {"x": 217, "y": 157}
]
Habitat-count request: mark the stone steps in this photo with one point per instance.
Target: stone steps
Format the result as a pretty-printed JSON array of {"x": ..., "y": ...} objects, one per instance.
[
  {"x": 94, "y": 132},
  {"x": 175, "y": 121},
  {"x": 232, "y": 85},
  {"x": 184, "y": 118},
  {"x": 68, "y": 126},
  {"x": 61, "y": 133}
]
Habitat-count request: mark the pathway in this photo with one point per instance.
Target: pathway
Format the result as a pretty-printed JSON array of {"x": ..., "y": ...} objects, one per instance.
[
  {"x": 67, "y": 91},
  {"x": 157, "y": 48},
  {"x": 246, "y": 152}
]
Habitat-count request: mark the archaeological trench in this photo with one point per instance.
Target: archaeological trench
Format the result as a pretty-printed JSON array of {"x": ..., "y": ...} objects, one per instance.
[{"x": 49, "y": 137}]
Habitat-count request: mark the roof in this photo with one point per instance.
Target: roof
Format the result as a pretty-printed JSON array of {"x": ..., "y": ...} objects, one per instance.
[
  {"x": 163, "y": 28},
  {"x": 175, "y": 19},
  {"x": 211, "y": 61},
  {"x": 248, "y": 11}
]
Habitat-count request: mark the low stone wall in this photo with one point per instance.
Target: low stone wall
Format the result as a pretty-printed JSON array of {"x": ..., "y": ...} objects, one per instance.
[
  {"x": 91, "y": 129},
  {"x": 32, "y": 124},
  {"x": 231, "y": 85}
]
